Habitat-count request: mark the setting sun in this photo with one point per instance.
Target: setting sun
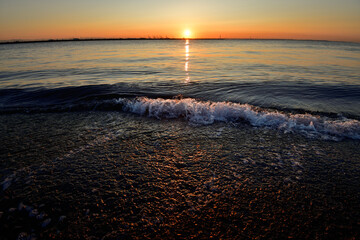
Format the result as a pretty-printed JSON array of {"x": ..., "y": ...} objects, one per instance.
[{"x": 187, "y": 33}]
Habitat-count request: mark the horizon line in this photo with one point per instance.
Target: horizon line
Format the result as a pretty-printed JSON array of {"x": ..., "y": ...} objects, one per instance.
[{"x": 15, "y": 41}]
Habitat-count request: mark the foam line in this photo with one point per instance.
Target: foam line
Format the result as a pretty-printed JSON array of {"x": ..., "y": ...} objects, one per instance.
[{"x": 200, "y": 112}]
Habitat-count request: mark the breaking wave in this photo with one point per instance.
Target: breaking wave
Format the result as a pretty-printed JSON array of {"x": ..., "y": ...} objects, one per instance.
[
  {"x": 325, "y": 126},
  {"x": 199, "y": 112}
]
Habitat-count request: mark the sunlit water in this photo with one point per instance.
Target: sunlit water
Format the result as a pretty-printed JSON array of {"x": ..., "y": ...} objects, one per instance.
[
  {"x": 294, "y": 77},
  {"x": 172, "y": 139}
]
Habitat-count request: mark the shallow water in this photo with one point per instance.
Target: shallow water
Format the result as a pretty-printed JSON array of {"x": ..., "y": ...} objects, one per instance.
[{"x": 117, "y": 175}]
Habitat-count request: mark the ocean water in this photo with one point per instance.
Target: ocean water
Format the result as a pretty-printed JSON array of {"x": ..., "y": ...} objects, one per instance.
[
  {"x": 292, "y": 85},
  {"x": 180, "y": 139}
]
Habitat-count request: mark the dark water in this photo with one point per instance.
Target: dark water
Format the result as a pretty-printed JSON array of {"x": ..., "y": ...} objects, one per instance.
[{"x": 180, "y": 140}]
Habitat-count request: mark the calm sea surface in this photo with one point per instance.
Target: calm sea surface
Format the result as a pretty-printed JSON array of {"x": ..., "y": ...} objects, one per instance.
[
  {"x": 308, "y": 75},
  {"x": 175, "y": 139}
]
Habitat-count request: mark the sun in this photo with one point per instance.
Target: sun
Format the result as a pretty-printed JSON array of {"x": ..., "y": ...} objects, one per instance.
[{"x": 187, "y": 33}]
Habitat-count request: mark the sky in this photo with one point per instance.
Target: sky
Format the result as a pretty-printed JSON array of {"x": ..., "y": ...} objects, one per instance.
[{"x": 292, "y": 19}]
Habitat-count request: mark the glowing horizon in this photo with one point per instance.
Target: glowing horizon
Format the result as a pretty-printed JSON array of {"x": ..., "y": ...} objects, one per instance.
[{"x": 318, "y": 20}]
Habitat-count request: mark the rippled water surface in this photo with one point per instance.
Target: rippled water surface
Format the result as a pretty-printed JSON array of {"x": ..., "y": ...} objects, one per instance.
[{"x": 309, "y": 75}]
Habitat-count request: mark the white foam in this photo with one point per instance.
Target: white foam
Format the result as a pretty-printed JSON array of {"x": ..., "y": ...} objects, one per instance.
[{"x": 201, "y": 112}]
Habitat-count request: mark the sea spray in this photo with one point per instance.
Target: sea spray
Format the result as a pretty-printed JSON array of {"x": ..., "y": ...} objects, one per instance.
[{"x": 207, "y": 112}]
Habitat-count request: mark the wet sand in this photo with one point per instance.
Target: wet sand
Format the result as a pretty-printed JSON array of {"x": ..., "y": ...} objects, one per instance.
[{"x": 110, "y": 175}]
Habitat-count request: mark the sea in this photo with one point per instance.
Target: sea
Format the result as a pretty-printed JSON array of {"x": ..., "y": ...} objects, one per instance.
[{"x": 180, "y": 139}]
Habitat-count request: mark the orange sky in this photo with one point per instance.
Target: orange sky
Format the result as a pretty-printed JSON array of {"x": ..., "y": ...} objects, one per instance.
[{"x": 295, "y": 19}]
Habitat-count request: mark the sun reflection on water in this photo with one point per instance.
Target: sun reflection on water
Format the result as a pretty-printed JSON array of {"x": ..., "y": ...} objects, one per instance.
[{"x": 187, "y": 56}]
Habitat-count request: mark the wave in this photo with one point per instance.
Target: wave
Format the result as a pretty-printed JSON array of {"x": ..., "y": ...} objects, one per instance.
[
  {"x": 337, "y": 99},
  {"x": 325, "y": 126},
  {"x": 199, "y": 112}
]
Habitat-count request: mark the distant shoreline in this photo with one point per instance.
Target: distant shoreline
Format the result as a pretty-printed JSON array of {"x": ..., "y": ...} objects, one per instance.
[{"x": 136, "y": 39}]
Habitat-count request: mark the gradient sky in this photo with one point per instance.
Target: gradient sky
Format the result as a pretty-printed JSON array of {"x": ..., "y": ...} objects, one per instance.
[{"x": 299, "y": 19}]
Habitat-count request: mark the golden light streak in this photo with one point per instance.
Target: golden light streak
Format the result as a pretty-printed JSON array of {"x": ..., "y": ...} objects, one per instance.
[{"x": 187, "y": 57}]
